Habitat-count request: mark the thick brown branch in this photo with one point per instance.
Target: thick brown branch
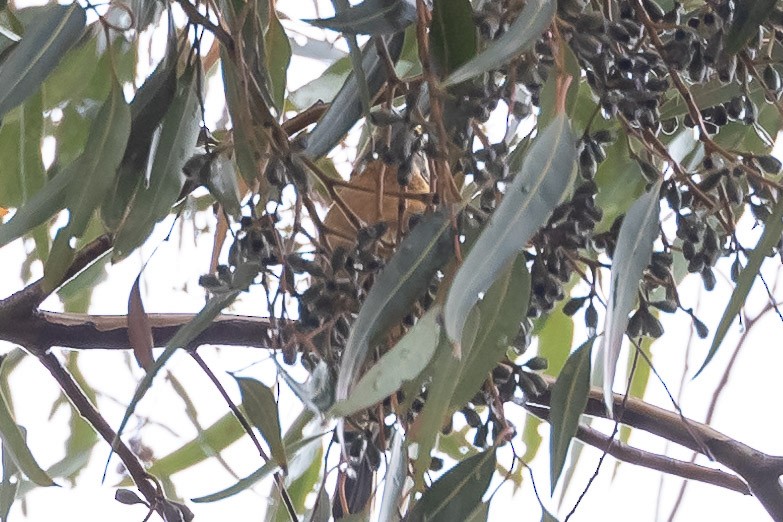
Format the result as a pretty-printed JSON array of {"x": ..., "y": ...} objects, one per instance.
[
  {"x": 110, "y": 332},
  {"x": 91, "y": 415},
  {"x": 760, "y": 471},
  {"x": 646, "y": 459}
]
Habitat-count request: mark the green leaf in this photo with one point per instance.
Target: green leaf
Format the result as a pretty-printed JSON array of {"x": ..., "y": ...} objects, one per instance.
[
  {"x": 278, "y": 57},
  {"x": 9, "y": 485},
  {"x": 98, "y": 164},
  {"x": 452, "y": 33},
  {"x": 549, "y": 90},
  {"x": 402, "y": 363},
  {"x": 346, "y": 108},
  {"x": 224, "y": 186},
  {"x": 534, "y": 18},
  {"x": 502, "y": 311},
  {"x": 480, "y": 514},
  {"x": 243, "y": 276},
  {"x": 457, "y": 492},
  {"x": 14, "y": 443},
  {"x": 261, "y": 409},
  {"x": 547, "y": 174},
  {"x": 631, "y": 256},
  {"x": 445, "y": 366},
  {"x": 394, "y": 481},
  {"x": 260, "y": 473},
  {"x": 773, "y": 228},
  {"x": 569, "y": 398},
  {"x": 748, "y": 16},
  {"x": 373, "y": 17},
  {"x": 705, "y": 95},
  {"x": 177, "y": 141},
  {"x": 404, "y": 278},
  {"x": 46, "y": 40},
  {"x": 620, "y": 182},
  {"x": 322, "y": 510}
]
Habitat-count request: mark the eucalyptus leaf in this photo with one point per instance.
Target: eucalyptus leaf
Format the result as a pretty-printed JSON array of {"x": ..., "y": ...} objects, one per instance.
[
  {"x": 534, "y": 18},
  {"x": 373, "y": 17},
  {"x": 457, "y": 492},
  {"x": 404, "y": 278},
  {"x": 632, "y": 255},
  {"x": 547, "y": 173},
  {"x": 177, "y": 141},
  {"x": 453, "y": 38},
  {"x": 402, "y": 363},
  {"x": 394, "y": 481},
  {"x": 569, "y": 399},
  {"x": 44, "y": 43},
  {"x": 773, "y": 228},
  {"x": 346, "y": 108},
  {"x": 748, "y": 16},
  {"x": 260, "y": 473},
  {"x": 278, "y": 58},
  {"x": 502, "y": 311},
  {"x": 261, "y": 409},
  {"x": 16, "y": 446}
]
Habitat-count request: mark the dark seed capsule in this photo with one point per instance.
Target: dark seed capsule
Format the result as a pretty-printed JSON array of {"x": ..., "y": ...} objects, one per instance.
[
  {"x": 701, "y": 329},
  {"x": 668, "y": 306},
  {"x": 573, "y": 306},
  {"x": 736, "y": 268},
  {"x": 712, "y": 180},
  {"x": 769, "y": 164},
  {"x": 537, "y": 363},
  {"x": 591, "y": 316},
  {"x": 771, "y": 78},
  {"x": 708, "y": 278},
  {"x": 688, "y": 250}
]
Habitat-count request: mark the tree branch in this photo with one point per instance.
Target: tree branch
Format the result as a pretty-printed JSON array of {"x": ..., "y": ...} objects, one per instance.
[
  {"x": 646, "y": 459},
  {"x": 91, "y": 415},
  {"x": 760, "y": 471}
]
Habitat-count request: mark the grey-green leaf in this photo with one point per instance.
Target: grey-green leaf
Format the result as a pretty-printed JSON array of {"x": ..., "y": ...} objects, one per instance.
[
  {"x": 569, "y": 398},
  {"x": 14, "y": 442},
  {"x": 534, "y": 18},
  {"x": 372, "y": 17},
  {"x": 98, "y": 164},
  {"x": 547, "y": 174},
  {"x": 44, "y": 43},
  {"x": 748, "y": 16},
  {"x": 402, "y": 363},
  {"x": 404, "y": 278},
  {"x": 177, "y": 141},
  {"x": 631, "y": 257},
  {"x": 261, "y": 409},
  {"x": 394, "y": 481},
  {"x": 453, "y": 33},
  {"x": 773, "y": 228},
  {"x": 40, "y": 207},
  {"x": 346, "y": 108},
  {"x": 458, "y": 492},
  {"x": 502, "y": 311}
]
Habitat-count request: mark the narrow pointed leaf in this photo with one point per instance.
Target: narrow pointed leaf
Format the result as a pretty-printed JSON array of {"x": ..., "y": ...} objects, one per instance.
[
  {"x": 9, "y": 485},
  {"x": 502, "y": 311},
  {"x": 278, "y": 57},
  {"x": 632, "y": 255},
  {"x": 453, "y": 33},
  {"x": 404, "y": 278},
  {"x": 243, "y": 277},
  {"x": 394, "y": 481},
  {"x": 346, "y": 108},
  {"x": 322, "y": 510},
  {"x": 261, "y": 409},
  {"x": 40, "y": 207},
  {"x": 44, "y": 43},
  {"x": 748, "y": 16},
  {"x": 16, "y": 446},
  {"x": 177, "y": 141},
  {"x": 437, "y": 409},
  {"x": 534, "y": 18},
  {"x": 547, "y": 174},
  {"x": 258, "y": 474},
  {"x": 569, "y": 398},
  {"x": 458, "y": 492},
  {"x": 372, "y": 17},
  {"x": 402, "y": 363},
  {"x": 103, "y": 152},
  {"x": 773, "y": 228},
  {"x": 139, "y": 328}
]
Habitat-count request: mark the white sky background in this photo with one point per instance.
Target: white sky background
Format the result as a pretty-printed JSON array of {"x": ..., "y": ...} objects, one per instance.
[{"x": 748, "y": 410}]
